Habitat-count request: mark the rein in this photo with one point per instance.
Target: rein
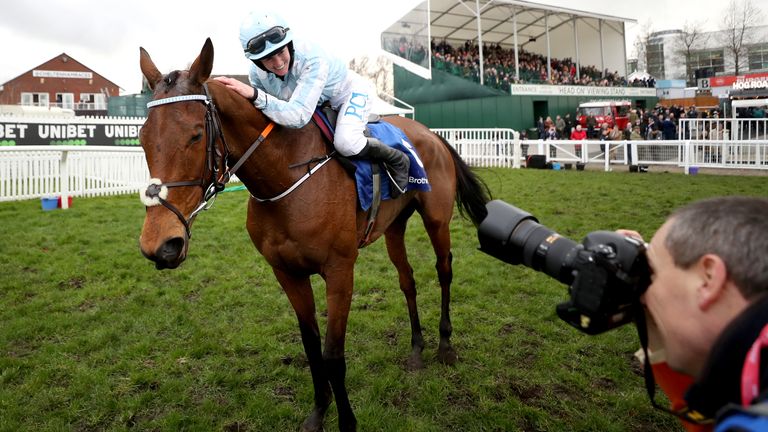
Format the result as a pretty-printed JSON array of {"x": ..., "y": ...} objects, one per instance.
[{"x": 156, "y": 192}]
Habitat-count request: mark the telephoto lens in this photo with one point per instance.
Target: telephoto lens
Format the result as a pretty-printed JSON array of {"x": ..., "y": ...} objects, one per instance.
[{"x": 514, "y": 236}]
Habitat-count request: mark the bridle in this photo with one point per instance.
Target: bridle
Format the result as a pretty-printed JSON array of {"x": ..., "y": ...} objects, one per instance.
[{"x": 157, "y": 191}]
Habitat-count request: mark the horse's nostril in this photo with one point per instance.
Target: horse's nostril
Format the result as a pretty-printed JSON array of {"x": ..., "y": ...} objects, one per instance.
[{"x": 170, "y": 251}]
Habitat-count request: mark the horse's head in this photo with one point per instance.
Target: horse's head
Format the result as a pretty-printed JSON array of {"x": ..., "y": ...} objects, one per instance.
[{"x": 182, "y": 154}]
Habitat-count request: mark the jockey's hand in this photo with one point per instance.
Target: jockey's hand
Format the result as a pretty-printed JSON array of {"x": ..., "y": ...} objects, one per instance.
[{"x": 239, "y": 87}]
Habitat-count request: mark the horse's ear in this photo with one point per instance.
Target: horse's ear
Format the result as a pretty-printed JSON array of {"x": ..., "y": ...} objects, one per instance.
[
  {"x": 149, "y": 69},
  {"x": 201, "y": 68}
]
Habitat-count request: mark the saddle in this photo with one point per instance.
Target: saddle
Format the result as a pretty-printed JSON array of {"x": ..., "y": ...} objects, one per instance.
[
  {"x": 367, "y": 175},
  {"x": 325, "y": 117}
]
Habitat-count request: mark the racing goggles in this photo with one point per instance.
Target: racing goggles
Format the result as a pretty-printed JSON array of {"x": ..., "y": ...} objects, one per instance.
[{"x": 258, "y": 43}]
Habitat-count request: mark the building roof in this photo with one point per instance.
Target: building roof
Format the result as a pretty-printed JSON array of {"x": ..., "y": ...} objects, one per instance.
[
  {"x": 455, "y": 20},
  {"x": 67, "y": 58}
]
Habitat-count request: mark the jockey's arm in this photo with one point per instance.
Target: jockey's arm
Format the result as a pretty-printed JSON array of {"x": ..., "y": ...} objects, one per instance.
[{"x": 297, "y": 110}]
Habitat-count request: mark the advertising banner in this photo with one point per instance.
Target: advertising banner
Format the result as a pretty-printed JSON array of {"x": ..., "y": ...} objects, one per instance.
[{"x": 15, "y": 131}]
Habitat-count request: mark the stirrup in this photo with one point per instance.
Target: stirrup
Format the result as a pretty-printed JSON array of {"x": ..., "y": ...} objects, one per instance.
[{"x": 394, "y": 190}]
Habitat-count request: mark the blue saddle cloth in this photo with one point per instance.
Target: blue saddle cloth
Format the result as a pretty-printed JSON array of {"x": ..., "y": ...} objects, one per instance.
[{"x": 395, "y": 138}]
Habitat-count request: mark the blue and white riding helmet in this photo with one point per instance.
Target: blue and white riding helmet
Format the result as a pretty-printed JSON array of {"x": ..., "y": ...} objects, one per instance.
[{"x": 263, "y": 33}]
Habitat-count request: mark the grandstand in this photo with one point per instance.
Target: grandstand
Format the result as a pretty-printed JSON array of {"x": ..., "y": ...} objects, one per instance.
[{"x": 504, "y": 63}]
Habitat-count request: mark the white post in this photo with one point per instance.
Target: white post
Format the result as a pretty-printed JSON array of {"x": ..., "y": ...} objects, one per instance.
[
  {"x": 549, "y": 50},
  {"x": 517, "y": 60},
  {"x": 480, "y": 41},
  {"x": 633, "y": 151},
  {"x": 64, "y": 172},
  {"x": 602, "y": 50},
  {"x": 576, "y": 44},
  {"x": 516, "y": 149}
]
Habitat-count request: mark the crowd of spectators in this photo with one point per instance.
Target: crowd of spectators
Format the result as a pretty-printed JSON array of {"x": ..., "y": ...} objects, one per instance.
[
  {"x": 659, "y": 123},
  {"x": 500, "y": 71},
  {"x": 643, "y": 82},
  {"x": 407, "y": 48}
]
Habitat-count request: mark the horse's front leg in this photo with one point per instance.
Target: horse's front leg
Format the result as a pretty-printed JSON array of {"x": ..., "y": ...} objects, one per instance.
[
  {"x": 339, "y": 281},
  {"x": 299, "y": 292}
]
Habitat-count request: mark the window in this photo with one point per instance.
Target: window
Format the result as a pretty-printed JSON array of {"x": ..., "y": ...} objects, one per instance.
[
  {"x": 35, "y": 99},
  {"x": 92, "y": 101},
  {"x": 65, "y": 100},
  {"x": 655, "y": 59},
  {"x": 708, "y": 59},
  {"x": 758, "y": 57}
]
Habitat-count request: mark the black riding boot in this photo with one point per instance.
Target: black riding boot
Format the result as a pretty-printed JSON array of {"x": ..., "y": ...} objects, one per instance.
[{"x": 396, "y": 161}]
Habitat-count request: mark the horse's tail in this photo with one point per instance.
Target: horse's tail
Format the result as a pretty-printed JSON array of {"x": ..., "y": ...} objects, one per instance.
[{"x": 471, "y": 192}]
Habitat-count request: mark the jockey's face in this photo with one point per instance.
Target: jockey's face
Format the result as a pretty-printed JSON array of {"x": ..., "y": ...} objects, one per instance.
[{"x": 278, "y": 62}]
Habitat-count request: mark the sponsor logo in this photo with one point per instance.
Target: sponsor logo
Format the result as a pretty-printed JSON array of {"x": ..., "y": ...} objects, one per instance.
[
  {"x": 356, "y": 101},
  {"x": 751, "y": 83},
  {"x": 410, "y": 148},
  {"x": 420, "y": 180}
]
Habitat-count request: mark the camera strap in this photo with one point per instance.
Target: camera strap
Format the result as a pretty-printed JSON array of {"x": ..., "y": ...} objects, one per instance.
[{"x": 685, "y": 413}]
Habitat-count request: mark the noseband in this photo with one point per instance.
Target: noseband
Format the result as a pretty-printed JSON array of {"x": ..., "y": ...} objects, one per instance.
[{"x": 156, "y": 192}]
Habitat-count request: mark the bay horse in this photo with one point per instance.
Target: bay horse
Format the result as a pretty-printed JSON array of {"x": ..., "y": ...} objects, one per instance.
[{"x": 197, "y": 133}]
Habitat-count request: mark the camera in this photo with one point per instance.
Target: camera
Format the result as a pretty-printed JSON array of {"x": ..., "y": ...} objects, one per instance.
[{"x": 606, "y": 273}]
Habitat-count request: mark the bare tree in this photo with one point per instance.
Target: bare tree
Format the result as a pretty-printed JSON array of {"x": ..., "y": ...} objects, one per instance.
[
  {"x": 641, "y": 46},
  {"x": 738, "y": 20},
  {"x": 689, "y": 38},
  {"x": 378, "y": 72}
]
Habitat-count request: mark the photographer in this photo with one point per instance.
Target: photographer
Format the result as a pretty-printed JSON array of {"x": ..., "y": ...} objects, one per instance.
[
  {"x": 707, "y": 303},
  {"x": 698, "y": 295}
]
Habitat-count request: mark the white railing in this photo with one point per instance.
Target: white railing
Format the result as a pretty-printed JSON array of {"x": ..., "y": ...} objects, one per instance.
[
  {"x": 485, "y": 147},
  {"x": 722, "y": 129},
  {"x": 502, "y": 148},
  {"x": 28, "y": 172},
  {"x": 720, "y": 154}
]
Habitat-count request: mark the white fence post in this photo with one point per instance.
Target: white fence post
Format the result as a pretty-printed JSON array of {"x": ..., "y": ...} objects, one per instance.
[
  {"x": 516, "y": 150},
  {"x": 64, "y": 170}
]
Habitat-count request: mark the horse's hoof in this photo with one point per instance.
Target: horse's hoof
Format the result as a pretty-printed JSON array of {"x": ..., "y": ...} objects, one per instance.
[
  {"x": 447, "y": 356},
  {"x": 348, "y": 426},
  {"x": 313, "y": 423},
  {"x": 414, "y": 362}
]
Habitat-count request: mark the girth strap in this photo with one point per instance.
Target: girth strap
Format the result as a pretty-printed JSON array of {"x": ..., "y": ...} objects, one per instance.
[{"x": 374, "y": 210}]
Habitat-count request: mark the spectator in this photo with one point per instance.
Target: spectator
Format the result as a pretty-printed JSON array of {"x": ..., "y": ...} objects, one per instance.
[
  {"x": 578, "y": 134},
  {"x": 560, "y": 127},
  {"x": 540, "y": 128},
  {"x": 627, "y": 131},
  {"x": 551, "y": 134},
  {"x": 592, "y": 131},
  {"x": 568, "y": 125},
  {"x": 500, "y": 69},
  {"x": 654, "y": 133},
  {"x": 548, "y": 123},
  {"x": 669, "y": 128},
  {"x": 707, "y": 304}
]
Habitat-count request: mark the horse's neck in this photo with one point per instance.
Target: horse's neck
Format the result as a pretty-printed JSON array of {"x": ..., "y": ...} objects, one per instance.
[{"x": 266, "y": 170}]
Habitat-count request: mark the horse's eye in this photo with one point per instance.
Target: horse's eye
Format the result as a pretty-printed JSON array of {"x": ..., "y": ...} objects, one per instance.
[{"x": 196, "y": 138}]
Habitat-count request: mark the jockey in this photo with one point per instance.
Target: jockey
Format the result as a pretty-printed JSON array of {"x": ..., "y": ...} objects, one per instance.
[{"x": 289, "y": 79}]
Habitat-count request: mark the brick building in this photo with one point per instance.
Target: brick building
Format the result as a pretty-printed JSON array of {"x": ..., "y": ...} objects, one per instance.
[{"x": 60, "y": 82}]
